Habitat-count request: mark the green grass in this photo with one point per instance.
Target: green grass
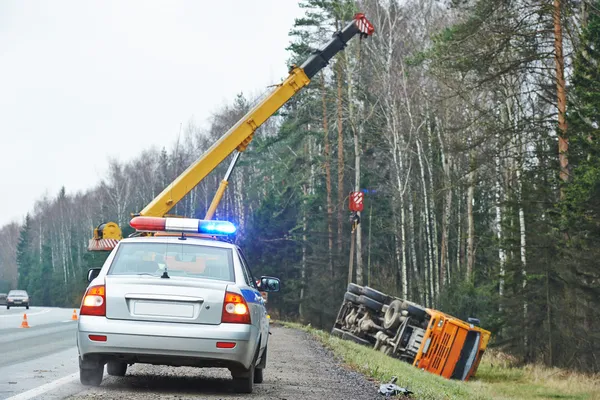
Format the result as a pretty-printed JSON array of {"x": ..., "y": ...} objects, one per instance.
[{"x": 496, "y": 378}]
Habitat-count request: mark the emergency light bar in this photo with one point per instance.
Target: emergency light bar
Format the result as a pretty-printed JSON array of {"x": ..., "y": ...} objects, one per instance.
[{"x": 158, "y": 224}]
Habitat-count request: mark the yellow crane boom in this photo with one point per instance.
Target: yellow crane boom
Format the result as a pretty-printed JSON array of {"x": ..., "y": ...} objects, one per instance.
[{"x": 240, "y": 135}]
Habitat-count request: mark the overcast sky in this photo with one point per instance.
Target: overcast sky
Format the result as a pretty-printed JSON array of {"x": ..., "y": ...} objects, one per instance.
[{"x": 82, "y": 81}]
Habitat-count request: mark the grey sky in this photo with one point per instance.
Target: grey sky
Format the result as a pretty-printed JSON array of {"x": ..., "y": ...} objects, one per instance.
[{"x": 81, "y": 81}]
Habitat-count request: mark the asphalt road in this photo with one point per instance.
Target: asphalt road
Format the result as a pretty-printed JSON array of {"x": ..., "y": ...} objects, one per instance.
[{"x": 41, "y": 363}]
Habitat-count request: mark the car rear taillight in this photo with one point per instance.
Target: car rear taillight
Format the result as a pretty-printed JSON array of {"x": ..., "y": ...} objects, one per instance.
[
  {"x": 235, "y": 309},
  {"x": 94, "y": 301}
]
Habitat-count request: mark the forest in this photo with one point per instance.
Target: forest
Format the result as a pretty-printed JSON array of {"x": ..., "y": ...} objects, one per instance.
[{"x": 471, "y": 127}]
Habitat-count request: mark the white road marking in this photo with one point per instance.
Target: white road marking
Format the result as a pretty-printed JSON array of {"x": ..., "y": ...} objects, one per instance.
[
  {"x": 44, "y": 311},
  {"x": 45, "y": 388}
]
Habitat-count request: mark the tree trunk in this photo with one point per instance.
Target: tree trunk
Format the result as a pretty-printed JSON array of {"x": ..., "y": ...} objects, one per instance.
[
  {"x": 426, "y": 221},
  {"x": 327, "y": 175},
  {"x": 501, "y": 253},
  {"x": 340, "y": 149},
  {"x": 470, "y": 221},
  {"x": 561, "y": 90},
  {"x": 419, "y": 285}
]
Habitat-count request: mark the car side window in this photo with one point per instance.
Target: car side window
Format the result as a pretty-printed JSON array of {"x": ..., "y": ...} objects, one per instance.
[{"x": 247, "y": 273}]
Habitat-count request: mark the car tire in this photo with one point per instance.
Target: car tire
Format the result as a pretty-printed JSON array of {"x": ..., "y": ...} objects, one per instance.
[
  {"x": 351, "y": 297},
  {"x": 374, "y": 294},
  {"x": 244, "y": 382},
  {"x": 337, "y": 332},
  {"x": 355, "y": 339},
  {"x": 27, "y": 307},
  {"x": 370, "y": 303},
  {"x": 91, "y": 375},
  {"x": 354, "y": 288},
  {"x": 258, "y": 375},
  {"x": 116, "y": 368},
  {"x": 8, "y": 307}
]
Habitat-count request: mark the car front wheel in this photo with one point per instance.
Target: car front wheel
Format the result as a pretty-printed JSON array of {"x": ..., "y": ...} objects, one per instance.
[{"x": 115, "y": 368}]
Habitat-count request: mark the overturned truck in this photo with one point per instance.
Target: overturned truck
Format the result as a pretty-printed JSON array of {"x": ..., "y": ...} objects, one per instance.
[{"x": 428, "y": 339}]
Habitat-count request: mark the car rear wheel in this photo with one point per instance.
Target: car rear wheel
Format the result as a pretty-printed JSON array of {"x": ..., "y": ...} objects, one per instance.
[
  {"x": 27, "y": 306},
  {"x": 243, "y": 381},
  {"x": 258, "y": 375},
  {"x": 90, "y": 374},
  {"x": 116, "y": 368}
]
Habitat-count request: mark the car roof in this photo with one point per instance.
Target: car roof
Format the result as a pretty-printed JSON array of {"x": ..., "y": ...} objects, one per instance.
[{"x": 177, "y": 239}]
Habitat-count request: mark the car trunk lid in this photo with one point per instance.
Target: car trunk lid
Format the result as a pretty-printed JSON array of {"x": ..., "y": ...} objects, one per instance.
[{"x": 151, "y": 298}]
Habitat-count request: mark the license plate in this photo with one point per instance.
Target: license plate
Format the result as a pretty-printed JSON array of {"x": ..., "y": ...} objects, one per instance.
[{"x": 157, "y": 309}]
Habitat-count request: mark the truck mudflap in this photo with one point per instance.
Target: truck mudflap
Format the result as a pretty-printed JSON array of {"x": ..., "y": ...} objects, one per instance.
[{"x": 428, "y": 339}]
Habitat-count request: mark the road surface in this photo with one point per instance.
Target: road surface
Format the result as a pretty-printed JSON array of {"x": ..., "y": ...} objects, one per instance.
[{"x": 41, "y": 363}]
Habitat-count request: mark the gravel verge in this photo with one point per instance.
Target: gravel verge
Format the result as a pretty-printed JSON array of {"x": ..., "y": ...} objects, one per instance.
[{"x": 298, "y": 367}]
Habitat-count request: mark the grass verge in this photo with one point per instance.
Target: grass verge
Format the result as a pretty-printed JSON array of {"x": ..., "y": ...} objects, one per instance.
[{"x": 496, "y": 378}]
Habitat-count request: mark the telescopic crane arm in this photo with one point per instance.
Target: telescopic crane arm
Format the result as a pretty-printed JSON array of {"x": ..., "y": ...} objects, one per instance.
[{"x": 240, "y": 135}]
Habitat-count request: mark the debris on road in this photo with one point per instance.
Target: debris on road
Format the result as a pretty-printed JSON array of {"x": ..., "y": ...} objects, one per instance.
[{"x": 391, "y": 389}]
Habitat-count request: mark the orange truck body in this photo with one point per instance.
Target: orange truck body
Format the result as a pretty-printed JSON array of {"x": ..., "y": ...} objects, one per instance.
[{"x": 451, "y": 347}]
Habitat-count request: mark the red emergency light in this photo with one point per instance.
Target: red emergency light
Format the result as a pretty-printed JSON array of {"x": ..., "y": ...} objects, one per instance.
[{"x": 158, "y": 224}]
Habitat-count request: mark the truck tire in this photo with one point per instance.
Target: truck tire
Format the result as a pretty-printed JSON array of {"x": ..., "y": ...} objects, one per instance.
[
  {"x": 337, "y": 332},
  {"x": 351, "y": 297},
  {"x": 387, "y": 350},
  {"x": 355, "y": 339},
  {"x": 418, "y": 313},
  {"x": 370, "y": 303},
  {"x": 391, "y": 320},
  {"x": 374, "y": 294},
  {"x": 354, "y": 288}
]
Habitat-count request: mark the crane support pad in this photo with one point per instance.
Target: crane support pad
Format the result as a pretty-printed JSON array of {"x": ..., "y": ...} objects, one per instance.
[{"x": 102, "y": 244}]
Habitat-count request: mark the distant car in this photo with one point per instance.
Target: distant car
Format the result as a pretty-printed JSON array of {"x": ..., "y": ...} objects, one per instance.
[
  {"x": 3, "y": 299},
  {"x": 17, "y": 298},
  {"x": 178, "y": 301}
]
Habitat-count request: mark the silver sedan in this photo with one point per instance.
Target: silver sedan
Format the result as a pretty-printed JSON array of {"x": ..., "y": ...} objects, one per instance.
[{"x": 179, "y": 301}]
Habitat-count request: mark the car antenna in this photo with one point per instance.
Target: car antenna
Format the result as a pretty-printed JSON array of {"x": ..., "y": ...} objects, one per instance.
[{"x": 165, "y": 275}]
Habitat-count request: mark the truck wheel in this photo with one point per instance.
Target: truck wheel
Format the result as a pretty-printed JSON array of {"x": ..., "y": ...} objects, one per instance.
[
  {"x": 337, "y": 332},
  {"x": 418, "y": 313},
  {"x": 392, "y": 316},
  {"x": 374, "y": 294},
  {"x": 354, "y": 288},
  {"x": 351, "y": 297},
  {"x": 355, "y": 339},
  {"x": 370, "y": 303},
  {"x": 387, "y": 350}
]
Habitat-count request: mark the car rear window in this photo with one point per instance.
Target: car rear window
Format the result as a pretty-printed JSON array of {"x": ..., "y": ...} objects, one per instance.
[{"x": 187, "y": 260}]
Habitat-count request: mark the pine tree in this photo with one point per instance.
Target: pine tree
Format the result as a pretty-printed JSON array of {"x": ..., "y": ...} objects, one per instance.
[{"x": 25, "y": 260}]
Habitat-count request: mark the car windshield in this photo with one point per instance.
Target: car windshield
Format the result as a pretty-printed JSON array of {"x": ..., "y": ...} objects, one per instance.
[
  {"x": 17, "y": 293},
  {"x": 189, "y": 260}
]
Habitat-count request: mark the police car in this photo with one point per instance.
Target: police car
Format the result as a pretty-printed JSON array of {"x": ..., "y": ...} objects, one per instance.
[{"x": 178, "y": 298}]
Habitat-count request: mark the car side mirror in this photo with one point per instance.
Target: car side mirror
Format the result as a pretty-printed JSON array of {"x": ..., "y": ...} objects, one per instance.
[
  {"x": 269, "y": 284},
  {"x": 93, "y": 273}
]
